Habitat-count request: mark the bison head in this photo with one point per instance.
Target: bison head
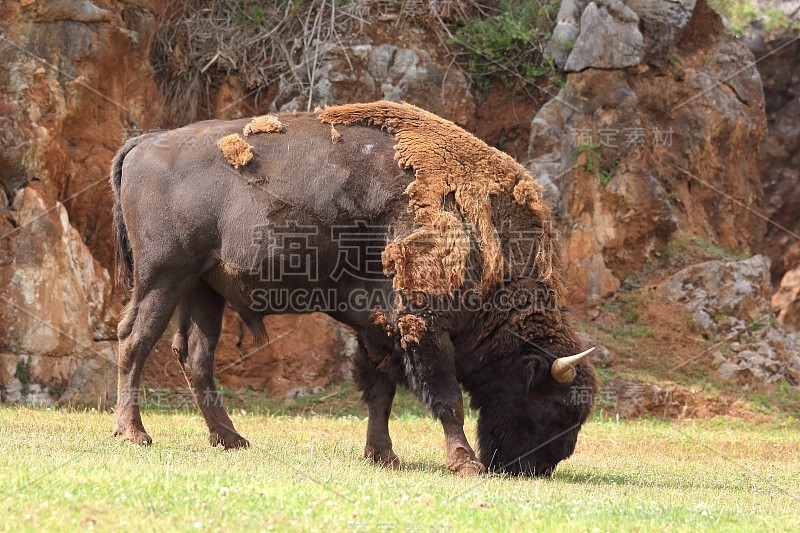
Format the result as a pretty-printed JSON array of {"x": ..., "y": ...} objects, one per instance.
[{"x": 531, "y": 411}]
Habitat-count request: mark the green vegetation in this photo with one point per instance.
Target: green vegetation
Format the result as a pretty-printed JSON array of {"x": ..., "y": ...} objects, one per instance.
[
  {"x": 23, "y": 374},
  {"x": 341, "y": 400},
  {"x": 61, "y": 470},
  {"x": 676, "y": 250},
  {"x": 743, "y": 13},
  {"x": 718, "y": 252},
  {"x": 592, "y": 161},
  {"x": 507, "y": 44},
  {"x": 198, "y": 44},
  {"x": 684, "y": 248},
  {"x": 627, "y": 307},
  {"x": 782, "y": 397}
]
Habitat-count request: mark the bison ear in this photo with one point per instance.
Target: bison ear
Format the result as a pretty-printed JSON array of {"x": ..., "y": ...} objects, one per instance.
[{"x": 537, "y": 370}]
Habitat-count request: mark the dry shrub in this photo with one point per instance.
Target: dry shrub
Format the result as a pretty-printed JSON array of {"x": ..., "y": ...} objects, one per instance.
[{"x": 198, "y": 42}]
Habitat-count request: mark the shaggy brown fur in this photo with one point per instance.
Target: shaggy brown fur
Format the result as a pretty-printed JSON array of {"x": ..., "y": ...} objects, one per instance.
[
  {"x": 335, "y": 135},
  {"x": 380, "y": 320},
  {"x": 431, "y": 260},
  {"x": 445, "y": 159},
  {"x": 264, "y": 124},
  {"x": 235, "y": 150},
  {"x": 528, "y": 193},
  {"x": 412, "y": 328}
]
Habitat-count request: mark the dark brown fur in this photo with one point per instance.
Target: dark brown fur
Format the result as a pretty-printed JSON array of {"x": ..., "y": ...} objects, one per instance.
[{"x": 184, "y": 226}]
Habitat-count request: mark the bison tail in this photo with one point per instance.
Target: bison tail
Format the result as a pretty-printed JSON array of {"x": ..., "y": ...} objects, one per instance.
[{"x": 123, "y": 254}]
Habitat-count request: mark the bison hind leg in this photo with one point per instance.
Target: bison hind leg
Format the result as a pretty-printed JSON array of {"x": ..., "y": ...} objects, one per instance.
[
  {"x": 145, "y": 319},
  {"x": 199, "y": 327}
]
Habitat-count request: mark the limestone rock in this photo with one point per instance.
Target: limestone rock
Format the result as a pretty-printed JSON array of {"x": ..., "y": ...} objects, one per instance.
[
  {"x": 74, "y": 10},
  {"x": 304, "y": 352},
  {"x": 55, "y": 302},
  {"x": 786, "y": 301},
  {"x": 566, "y": 31},
  {"x": 732, "y": 288},
  {"x": 780, "y": 153},
  {"x": 74, "y": 79},
  {"x": 728, "y": 301},
  {"x": 94, "y": 381},
  {"x": 628, "y": 152},
  {"x": 609, "y": 38},
  {"x": 662, "y": 21}
]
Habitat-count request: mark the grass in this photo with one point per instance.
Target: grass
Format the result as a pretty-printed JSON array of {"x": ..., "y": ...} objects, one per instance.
[
  {"x": 743, "y": 13},
  {"x": 507, "y": 44},
  {"x": 61, "y": 469},
  {"x": 629, "y": 328},
  {"x": 684, "y": 249},
  {"x": 782, "y": 397}
]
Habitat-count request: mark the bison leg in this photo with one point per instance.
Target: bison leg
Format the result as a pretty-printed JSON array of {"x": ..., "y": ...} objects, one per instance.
[
  {"x": 145, "y": 319},
  {"x": 199, "y": 326},
  {"x": 432, "y": 376},
  {"x": 378, "y": 393}
]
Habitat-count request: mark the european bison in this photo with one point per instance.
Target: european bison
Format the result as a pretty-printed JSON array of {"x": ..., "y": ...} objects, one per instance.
[{"x": 445, "y": 266}]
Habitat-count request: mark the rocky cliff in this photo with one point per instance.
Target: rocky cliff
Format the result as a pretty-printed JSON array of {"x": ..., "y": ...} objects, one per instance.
[
  {"x": 647, "y": 142},
  {"x": 654, "y": 132}
]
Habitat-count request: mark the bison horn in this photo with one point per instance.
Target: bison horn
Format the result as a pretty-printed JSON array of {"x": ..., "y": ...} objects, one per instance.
[{"x": 563, "y": 368}]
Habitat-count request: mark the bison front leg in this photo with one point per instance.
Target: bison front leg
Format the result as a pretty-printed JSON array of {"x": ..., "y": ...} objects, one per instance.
[
  {"x": 430, "y": 367},
  {"x": 378, "y": 391},
  {"x": 199, "y": 326}
]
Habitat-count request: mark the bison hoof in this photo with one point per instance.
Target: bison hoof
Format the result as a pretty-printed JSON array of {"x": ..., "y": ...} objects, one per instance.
[
  {"x": 470, "y": 469},
  {"x": 385, "y": 458},
  {"x": 135, "y": 436},
  {"x": 231, "y": 442}
]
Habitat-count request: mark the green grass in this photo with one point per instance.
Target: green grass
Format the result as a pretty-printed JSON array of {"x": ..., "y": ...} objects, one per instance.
[
  {"x": 61, "y": 469},
  {"x": 718, "y": 252},
  {"x": 684, "y": 248},
  {"x": 507, "y": 44},
  {"x": 743, "y": 13}
]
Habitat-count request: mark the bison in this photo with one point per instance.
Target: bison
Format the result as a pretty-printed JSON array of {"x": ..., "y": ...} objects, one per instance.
[{"x": 436, "y": 249}]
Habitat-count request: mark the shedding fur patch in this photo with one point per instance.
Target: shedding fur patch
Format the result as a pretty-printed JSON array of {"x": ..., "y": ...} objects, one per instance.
[
  {"x": 235, "y": 149},
  {"x": 445, "y": 159},
  {"x": 379, "y": 319},
  {"x": 412, "y": 328},
  {"x": 431, "y": 260},
  {"x": 264, "y": 124},
  {"x": 335, "y": 135}
]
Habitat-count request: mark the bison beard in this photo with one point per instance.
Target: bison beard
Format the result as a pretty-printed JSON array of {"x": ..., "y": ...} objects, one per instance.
[{"x": 184, "y": 229}]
